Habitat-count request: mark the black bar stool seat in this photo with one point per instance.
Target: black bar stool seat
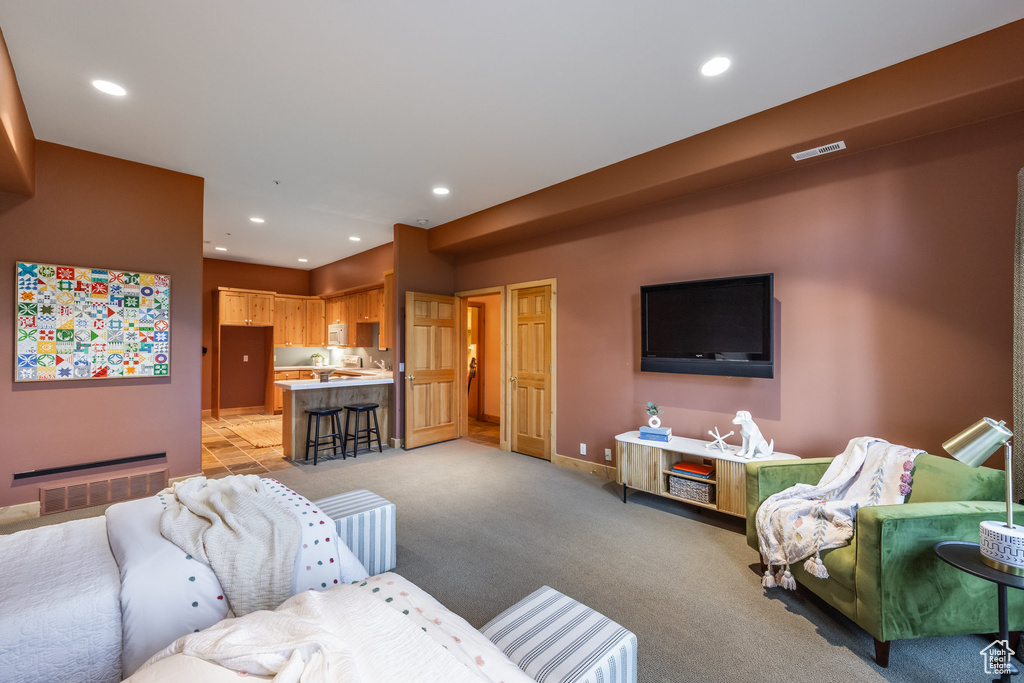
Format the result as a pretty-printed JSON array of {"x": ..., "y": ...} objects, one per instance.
[
  {"x": 364, "y": 435},
  {"x": 335, "y": 437}
]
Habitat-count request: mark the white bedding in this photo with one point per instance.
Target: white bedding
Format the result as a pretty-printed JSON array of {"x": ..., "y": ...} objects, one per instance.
[
  {"x": 384, "y": 629},
  {"x": 72, "y": 630}
]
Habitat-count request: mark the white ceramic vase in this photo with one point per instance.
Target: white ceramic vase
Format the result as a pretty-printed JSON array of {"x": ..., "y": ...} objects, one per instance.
[{"x": 654, "y": 421}]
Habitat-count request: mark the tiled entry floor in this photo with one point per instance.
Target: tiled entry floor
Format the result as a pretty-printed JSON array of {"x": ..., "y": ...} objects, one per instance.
[{"x": 224, "y": 452}]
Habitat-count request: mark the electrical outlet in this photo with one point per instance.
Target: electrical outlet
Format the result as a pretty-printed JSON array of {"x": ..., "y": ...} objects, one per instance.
[
  {"x": 583, "y": 449},
  {"x": 245, "y": 359},
  {"x": 607, "y": 454}
]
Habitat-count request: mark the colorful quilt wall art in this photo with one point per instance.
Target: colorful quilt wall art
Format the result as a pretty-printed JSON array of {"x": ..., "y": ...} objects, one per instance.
[{"x": 90, "y": 323}]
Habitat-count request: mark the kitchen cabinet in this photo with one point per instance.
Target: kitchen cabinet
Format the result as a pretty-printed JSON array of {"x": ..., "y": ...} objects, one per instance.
[
  {"x": 386, "y": 337},
  {"x": 289, "y": 321},
  {"x": 245, "y": 307},
  {"x": 358, "y": 310},
  {"x": 278, "y": 391},
  {"x": 316, "y": 322}
]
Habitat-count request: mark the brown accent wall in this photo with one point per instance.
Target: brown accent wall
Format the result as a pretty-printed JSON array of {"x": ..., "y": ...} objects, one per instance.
[
  {"x": 94, "y": 210},
  {"x": 894, "y": 287},
  {"x": 417, "y": 269},
  {"x": 244, "y": 382},
  {"x": 978, "y": 78},
  {"x": 238, "y": 378},
  {"x": 365, "y": 268},
  {"x": 17, "y": 143}
]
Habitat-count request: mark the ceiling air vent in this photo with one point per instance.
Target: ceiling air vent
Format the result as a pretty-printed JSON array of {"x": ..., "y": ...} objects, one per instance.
[{"x": 818, "y": 151}]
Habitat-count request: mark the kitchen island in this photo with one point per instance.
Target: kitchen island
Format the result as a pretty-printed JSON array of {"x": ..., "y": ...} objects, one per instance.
[{"x": 366, "y": 386}]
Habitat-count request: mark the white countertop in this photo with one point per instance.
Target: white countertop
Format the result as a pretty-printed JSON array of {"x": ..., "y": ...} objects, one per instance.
[
  {"x": 682, "y": 444},
  {"x": 287, "y": 368},
  {"x": 368, "y": 377}
]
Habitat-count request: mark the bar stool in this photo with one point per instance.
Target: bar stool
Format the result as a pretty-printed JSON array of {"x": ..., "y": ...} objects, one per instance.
[
  {"x": 362, "y": 435},
  {"x": 335, "y": 435}
]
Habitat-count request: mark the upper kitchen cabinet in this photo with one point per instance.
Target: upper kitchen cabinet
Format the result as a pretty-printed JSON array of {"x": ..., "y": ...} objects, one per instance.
[
  {"x": 245, "y": 307},
  {"x": 386, "y": 336},
  {"x": 316, "y": 323},
  {"x": 289, "y": 321}
]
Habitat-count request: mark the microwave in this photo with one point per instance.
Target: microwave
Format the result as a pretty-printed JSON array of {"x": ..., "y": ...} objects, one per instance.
[{"x": 337, "y": 335}]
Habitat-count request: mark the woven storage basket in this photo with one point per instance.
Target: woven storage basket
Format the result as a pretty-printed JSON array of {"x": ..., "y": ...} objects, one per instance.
[{"x": 697, "y": 491}]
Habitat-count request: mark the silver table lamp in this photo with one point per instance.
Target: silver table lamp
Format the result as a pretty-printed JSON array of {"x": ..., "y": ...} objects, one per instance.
[{"x": 1002, "y": 545}]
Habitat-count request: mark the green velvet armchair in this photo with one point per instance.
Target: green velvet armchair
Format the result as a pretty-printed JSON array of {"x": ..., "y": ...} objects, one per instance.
[{"x": 888, "y": 579}]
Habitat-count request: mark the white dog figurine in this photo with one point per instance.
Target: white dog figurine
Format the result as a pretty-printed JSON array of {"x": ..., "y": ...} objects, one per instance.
[{"x": 754, "y": 445}]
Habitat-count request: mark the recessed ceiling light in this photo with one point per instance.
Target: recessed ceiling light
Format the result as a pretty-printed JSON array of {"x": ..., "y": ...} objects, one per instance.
[
  {"x": 221, "y": 248},
  {"x": 355, "y": 239},
  {"x": 254, "y": 219},
  {"x": 441, "y": 190},
  {"x": 109, "y": 88},
  {"x": 303, "y": 260},
  {"x": 715, "y": 66}
]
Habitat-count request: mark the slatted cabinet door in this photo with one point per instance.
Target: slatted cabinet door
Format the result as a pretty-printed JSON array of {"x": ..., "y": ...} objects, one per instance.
[
  {"x": 431, "y": 399},
  {"x": 530, "y": 378}
]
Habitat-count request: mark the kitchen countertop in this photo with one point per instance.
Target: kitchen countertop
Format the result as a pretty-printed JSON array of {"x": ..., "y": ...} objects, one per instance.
[
  {"x": 286, "y": 368},
  {"x": 367, "y": 377}
]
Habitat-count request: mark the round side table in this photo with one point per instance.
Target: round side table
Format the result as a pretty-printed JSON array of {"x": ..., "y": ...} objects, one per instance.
[{"x": 967, "y": 558}]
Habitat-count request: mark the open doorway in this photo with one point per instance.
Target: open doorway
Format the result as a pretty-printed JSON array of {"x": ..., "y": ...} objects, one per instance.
[{"x": 483, "y": 357}]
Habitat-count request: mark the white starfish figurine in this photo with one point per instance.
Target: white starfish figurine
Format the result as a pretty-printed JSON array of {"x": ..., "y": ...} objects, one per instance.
[{"x": 719, "y": 441}]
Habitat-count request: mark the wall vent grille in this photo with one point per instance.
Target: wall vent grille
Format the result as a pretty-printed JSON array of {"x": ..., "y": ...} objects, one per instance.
[
  {"x": 818, "y": 151},
  {"x": 54, "y": 499}
]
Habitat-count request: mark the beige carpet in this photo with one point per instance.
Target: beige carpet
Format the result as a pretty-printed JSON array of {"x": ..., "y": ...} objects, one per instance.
[{"x": 260, "y": 434}]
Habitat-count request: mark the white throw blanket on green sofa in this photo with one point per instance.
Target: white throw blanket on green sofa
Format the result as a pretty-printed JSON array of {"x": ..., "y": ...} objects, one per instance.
[{"x": 803, "y": 520}]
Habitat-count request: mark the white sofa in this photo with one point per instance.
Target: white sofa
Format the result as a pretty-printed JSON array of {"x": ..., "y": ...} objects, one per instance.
[{"x": 68, "y": 611}]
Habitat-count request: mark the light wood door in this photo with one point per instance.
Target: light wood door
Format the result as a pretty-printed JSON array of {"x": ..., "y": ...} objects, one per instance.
[
  {"x": 234, "y": 308},
  {"x": 431, "y": 357},
  {"x": 261, "y": 309},
  {"x": 530, "y": 371},
  {"x": 316, "y": 325}
]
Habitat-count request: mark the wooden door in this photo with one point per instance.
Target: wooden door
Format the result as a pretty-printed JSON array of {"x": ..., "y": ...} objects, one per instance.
[
  {"x": 530, "y": 371},
  {"x": 316, "y": 325},
  {"x": 234, "y": 308},
  {"x": 431, "y": 356},
  {"x": 261, "y": 309}
]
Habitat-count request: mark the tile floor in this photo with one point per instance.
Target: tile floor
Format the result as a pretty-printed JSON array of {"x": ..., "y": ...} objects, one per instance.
[{"x": 224, "y": 452}]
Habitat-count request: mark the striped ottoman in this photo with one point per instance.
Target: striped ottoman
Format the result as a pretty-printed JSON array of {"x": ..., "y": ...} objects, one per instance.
[
  {"x": 366, "y": 524},
  {"x": 555, "y": 639}
]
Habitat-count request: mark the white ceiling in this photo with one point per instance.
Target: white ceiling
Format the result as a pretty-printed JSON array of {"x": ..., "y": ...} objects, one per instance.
[{"x": 359, "y": 109}]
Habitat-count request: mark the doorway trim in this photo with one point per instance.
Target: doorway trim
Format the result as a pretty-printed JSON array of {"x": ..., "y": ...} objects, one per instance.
[{"x": 464, "y": 296}]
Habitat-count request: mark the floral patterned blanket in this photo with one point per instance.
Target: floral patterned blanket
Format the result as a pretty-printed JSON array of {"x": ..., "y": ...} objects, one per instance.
[{"x": 801, "y": 521}]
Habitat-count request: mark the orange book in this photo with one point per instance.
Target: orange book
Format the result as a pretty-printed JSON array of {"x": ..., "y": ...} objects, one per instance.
[{"x": 694, "y": 468}]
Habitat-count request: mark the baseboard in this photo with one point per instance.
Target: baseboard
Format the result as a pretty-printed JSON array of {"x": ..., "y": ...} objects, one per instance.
[
  {"x": 16, "y": 513},
  {"x": 490, "y": 418},
  {"x": 245, "y": 409},
  {"x": 206, "y": 413},
  {"x": 397, "y": 443},
  {"x": 174, "y": 480},
  {"x": 604, "y": 471}
]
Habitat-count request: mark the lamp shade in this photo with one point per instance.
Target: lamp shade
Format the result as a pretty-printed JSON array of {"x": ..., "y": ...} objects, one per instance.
[{"x": 974, "y": 445}]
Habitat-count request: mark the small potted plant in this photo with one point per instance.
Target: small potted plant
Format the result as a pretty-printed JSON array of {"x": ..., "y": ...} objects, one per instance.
[
  {"x": 653, "y": 410},
  {"x": 317, "y": 359}
]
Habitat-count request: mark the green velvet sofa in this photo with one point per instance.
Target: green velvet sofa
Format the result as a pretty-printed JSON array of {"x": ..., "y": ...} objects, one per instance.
[{"x": 888, "y": 579}]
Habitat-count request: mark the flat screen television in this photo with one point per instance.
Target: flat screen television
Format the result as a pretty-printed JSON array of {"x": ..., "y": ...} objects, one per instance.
[{"x": 723, "y": 326}]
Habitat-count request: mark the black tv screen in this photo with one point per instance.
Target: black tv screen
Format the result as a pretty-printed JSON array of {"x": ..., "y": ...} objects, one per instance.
[{"x": 709, "y": 327}]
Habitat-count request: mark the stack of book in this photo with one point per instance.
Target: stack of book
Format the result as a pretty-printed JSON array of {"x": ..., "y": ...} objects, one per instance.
[
  {"x": 656, "y": 433},
  {"x": 694, "y": 469}
]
